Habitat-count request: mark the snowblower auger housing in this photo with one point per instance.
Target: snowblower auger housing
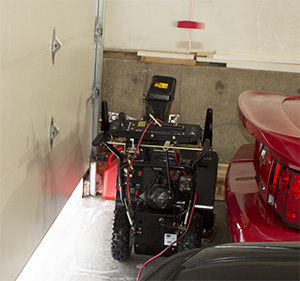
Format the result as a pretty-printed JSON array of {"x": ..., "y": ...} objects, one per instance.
[{"x": 166, "y": 177}]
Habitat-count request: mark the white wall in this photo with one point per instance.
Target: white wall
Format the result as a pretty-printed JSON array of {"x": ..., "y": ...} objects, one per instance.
[{"x": 263, "y": 28}]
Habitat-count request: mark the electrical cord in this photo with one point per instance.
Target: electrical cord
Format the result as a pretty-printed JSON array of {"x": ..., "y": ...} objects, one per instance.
[
  {"x": 199, "y": 158},
  {"x": 134, "y": 155},
  {"x": 163, "y": 251},
  {"x": 129, "y": 200},
  {"x": 188, "y": 31},
  {"x": 177, "y": 161}
]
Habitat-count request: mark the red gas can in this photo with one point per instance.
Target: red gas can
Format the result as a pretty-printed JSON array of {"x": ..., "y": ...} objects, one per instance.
[{"x": 110, "y": 177}]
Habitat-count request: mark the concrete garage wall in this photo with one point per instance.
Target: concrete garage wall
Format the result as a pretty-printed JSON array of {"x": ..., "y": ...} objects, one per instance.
[{"x": 126, "y": 79}]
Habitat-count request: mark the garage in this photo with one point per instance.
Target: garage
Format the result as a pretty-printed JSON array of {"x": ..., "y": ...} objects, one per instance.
[{"x": 61, "y": 59}]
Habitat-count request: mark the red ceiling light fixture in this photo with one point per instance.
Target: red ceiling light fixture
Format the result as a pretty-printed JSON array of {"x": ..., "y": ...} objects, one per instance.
[{"x": 190, "y": 24}]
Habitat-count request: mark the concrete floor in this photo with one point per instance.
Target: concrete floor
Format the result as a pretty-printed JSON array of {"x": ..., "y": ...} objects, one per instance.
[{"x": 77, "y": 246}]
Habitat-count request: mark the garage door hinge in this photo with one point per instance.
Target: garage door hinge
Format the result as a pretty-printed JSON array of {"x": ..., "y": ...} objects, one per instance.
[
  {"x": 95, "y": 94},
  {"x": 55, "y": 46},
  {"x": 98, "y": 29},
  {"x": 54, "y": 130}
]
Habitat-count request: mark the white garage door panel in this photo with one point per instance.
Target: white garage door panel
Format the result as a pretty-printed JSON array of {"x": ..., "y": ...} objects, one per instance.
[
  {"x": 28, "y": 26},
  {"x": 36, "y": 181},
  {"x": 41, "y": 91},
  {"x": 35, "y": 203}
]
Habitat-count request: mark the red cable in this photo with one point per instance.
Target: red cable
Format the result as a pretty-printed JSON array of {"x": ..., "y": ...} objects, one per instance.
[
  {"x": 129, "y": 200},
  {"x": 177, "y": 161},
  {"x": 163, "y": 251},
  {"x": 136, "y": 150}
]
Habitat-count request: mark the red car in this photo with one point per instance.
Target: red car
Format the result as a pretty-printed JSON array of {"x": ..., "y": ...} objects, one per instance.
[{"x": 263, "y": 179}]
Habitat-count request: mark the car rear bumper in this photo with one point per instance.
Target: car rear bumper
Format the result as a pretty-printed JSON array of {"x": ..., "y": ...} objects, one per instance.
[{"x": 249, "y": 217}]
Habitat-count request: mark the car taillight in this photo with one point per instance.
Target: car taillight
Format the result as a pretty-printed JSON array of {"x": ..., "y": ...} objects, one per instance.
[
  {"x": 284, "y": 193},
  {"x": 292, "y": 208}
]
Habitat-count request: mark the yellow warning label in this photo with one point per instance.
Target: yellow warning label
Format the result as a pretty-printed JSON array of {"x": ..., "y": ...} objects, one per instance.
[
  {"x": 141, "y": 123},
  {"x": 161, "y": 85}
]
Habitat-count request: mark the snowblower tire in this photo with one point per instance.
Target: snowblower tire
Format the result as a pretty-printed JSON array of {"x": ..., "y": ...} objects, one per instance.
[{"x": 120, "y": 245}]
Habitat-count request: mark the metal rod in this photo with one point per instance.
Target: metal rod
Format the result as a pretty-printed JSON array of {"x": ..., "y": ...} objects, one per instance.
[
  {"x": 162, "y": 146},
  {"x": 96, "y": 98}
]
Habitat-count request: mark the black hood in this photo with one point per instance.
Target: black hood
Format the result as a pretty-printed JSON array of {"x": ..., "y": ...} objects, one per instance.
[{"x": 239, "y": 261}]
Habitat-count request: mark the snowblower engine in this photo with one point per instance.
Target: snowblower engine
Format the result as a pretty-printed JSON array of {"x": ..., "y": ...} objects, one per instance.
[{"x": 166, "y": 177}]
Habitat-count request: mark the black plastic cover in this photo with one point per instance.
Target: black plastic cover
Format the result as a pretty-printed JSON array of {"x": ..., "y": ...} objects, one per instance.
[
  {"x": 238, "y": 261},
  {"x": 160, "y": 96}
]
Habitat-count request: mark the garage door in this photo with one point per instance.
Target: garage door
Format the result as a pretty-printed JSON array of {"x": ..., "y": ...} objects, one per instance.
[{"x": 36, "y": 175}]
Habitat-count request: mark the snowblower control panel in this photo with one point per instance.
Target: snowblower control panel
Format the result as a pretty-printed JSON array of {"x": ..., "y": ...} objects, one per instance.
[{"x": 181, "y": 133}]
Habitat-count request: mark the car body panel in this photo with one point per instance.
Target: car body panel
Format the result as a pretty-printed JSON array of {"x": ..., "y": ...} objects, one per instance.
[
  {"x": 273, "y": 120},
  {"x": 239, "y": 261}
]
